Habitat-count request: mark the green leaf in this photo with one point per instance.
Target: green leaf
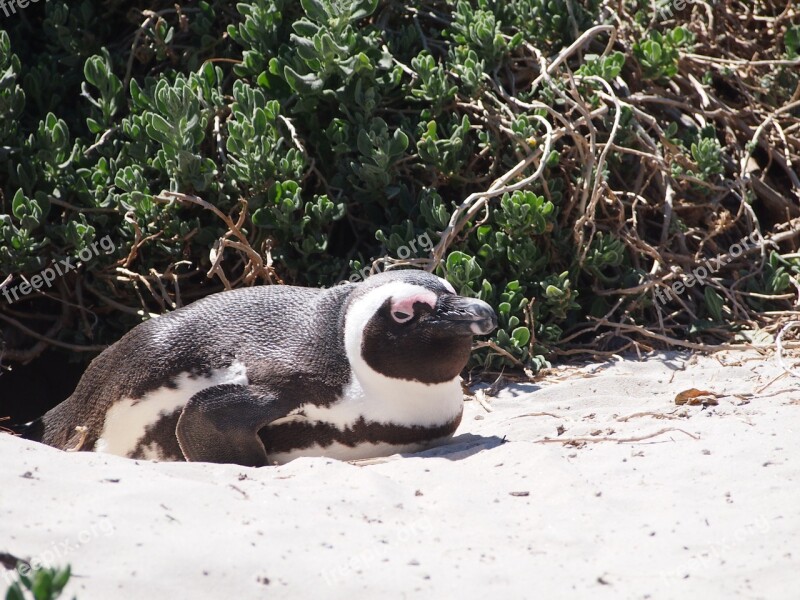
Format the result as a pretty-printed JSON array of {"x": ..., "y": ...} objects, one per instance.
[
  {"x": 19, "y": 204},
  {"x": 42, "y": 584},
  {"x": 366, "y": 9},
  {"x": 15, "y": 593},
  {"x": 521, "y": 335},
  {"x": 302, "y": 83},
  {"x": 653, "y": 51},
  {"x": 364, "y": 143},
  {"x": 679, "y": 35},
  {"x": 714, "y": 303},
  {"x": 398, "y": 143},
  {"x": 553, "y": 292},
  {"x": 159, "y": 130},
  {"x": 792, "y": 42},
  {"x": 61, "y": 578},
  {"x": 315, "y": 10}
]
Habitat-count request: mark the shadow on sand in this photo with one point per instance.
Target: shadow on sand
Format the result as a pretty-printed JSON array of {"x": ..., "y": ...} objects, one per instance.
[{"x": 460, "y": 447}]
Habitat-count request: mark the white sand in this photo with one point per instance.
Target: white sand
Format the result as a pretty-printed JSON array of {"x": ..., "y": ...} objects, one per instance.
[{"x": 667, "y": 517}]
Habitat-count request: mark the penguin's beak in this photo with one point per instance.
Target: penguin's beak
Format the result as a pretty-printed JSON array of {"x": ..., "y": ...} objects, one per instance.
[{"x": 466, "y": 315}]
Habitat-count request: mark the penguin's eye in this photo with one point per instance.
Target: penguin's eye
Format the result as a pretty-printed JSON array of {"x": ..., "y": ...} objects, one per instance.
[{"x": 401, "y": 317}]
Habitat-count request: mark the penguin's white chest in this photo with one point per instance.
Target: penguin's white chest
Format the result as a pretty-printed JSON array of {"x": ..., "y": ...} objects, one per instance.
[
  {"x": 373, "y": 418},
  {"x": 386, "y": 400}
]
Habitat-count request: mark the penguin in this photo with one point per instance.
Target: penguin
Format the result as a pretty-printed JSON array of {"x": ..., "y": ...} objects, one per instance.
[{"x": 262, "y": 375}]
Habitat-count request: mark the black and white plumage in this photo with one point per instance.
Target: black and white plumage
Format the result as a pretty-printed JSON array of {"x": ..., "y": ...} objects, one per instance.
[{"x": 262, "y": 375}]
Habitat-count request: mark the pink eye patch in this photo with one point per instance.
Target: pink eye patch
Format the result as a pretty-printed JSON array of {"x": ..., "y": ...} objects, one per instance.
[{"x": 403, "y": 308}]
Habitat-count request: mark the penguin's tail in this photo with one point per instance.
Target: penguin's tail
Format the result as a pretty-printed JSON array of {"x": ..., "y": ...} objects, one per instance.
[{"x": 33, "y": 430}]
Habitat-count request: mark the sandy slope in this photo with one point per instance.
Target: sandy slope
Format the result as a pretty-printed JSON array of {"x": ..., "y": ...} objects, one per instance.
[{"x": 709, "y": 509}]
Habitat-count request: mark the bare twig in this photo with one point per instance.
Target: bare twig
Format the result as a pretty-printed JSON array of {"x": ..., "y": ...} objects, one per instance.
[{"x": 628, "y": 440}]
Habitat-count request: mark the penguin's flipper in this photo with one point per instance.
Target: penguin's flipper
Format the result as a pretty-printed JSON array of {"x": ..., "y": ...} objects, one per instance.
[{"x": 220, "y": 424}]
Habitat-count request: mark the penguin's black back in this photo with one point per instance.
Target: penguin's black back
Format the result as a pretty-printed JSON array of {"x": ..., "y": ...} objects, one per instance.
[{"x": 275, "y": 328}]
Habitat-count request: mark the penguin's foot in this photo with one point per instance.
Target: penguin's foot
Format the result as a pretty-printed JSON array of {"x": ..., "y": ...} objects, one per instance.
[
  {"x": 220, "y": 424},
  {"x": 78, "y": 439}
]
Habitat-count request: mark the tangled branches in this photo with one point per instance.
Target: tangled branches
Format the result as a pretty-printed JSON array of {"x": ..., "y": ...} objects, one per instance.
[
  {"x": 678, "y": 168},
  {"x": 610, "y": 174}
]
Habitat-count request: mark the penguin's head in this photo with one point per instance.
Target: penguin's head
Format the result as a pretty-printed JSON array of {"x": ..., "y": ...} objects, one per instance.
[{"x": 412, "y": 325}]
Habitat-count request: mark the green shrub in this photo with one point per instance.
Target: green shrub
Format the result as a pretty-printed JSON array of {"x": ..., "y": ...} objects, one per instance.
[
  {"x": 323, "y": 134},
  {"x": 44, "y": 583}
]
